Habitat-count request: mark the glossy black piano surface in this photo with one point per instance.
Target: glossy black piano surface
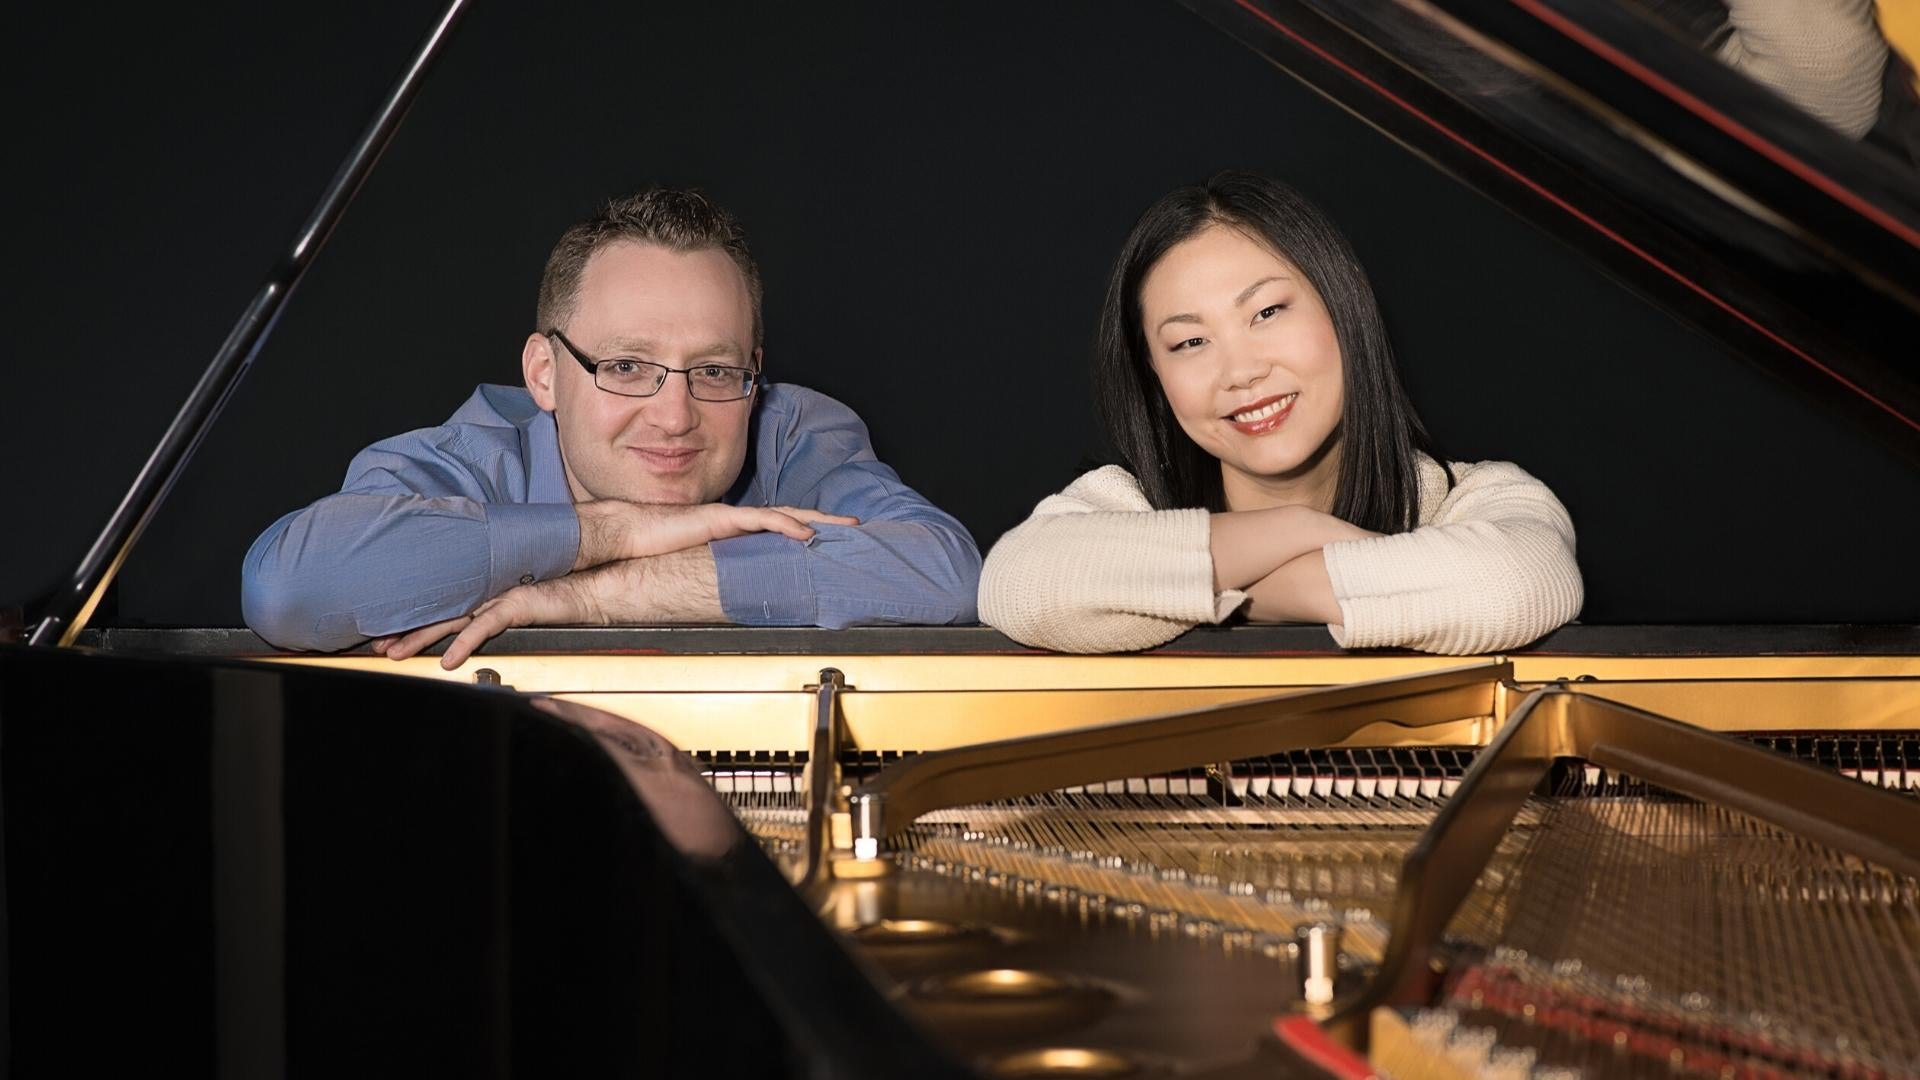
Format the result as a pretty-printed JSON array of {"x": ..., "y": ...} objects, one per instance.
[{"x": 226, "y": 870}]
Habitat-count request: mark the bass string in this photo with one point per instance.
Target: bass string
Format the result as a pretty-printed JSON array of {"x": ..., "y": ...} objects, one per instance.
[{"x": 1688, "y": 909}]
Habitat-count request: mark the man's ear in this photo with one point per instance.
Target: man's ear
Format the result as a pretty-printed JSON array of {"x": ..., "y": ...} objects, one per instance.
[
  {"x": 760, "y": 359},
  {"x": 537, "y": 367}
]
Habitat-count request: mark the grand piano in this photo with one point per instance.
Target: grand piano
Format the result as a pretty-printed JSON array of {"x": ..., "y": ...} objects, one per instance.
[{"x": 1622, "y": 850}]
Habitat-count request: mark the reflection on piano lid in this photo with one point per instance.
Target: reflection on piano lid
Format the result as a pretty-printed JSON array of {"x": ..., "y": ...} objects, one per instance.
[{"x": 1692, "y": 184}]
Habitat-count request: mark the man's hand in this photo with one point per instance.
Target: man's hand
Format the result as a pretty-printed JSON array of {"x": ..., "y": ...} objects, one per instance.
[
  {"x": 677, "y": 587},
  {"x": 555, "y": 602},
  {"x": 612, "y": 530}
]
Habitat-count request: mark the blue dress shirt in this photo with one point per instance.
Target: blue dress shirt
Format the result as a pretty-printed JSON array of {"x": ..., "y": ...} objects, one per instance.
[{"x": 431, "y": 523}]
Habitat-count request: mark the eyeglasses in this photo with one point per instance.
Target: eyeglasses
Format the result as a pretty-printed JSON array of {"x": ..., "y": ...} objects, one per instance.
[{"x": 644, "y": 378}]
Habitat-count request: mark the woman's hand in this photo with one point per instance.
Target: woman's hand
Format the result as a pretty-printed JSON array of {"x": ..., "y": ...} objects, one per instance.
[
  {"x": 1300, "y": 592},
  {"x": 1251, "y": 545}
]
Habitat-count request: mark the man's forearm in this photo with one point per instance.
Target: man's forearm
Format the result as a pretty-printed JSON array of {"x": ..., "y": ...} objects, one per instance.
[
  {"x": 681, "y": 587},
  {"x": 886, "y": 572},
  {"x": 612, "y": 530},
  {"x": 603, "y": 529},
  {"x": 356, "y": 565}
]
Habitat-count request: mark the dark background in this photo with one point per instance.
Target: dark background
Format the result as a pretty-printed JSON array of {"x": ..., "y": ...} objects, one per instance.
[{"x": 934, "y": 197}]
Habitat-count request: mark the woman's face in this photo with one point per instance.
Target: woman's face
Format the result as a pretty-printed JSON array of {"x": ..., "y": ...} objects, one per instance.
[{"x": 1246, "y": 355}]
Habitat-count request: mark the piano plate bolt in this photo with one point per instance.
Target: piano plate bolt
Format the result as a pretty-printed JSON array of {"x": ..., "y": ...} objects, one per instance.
[
  {"x": 866, "y": 826},
  {"x": 1319, "y": 961}
]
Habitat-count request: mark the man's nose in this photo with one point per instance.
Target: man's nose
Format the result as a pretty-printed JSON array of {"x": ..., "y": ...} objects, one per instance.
[{"x": 672, "y": 410}]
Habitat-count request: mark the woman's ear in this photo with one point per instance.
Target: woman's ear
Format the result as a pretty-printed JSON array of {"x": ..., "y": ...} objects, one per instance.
[{"x": 536, "y": 367}]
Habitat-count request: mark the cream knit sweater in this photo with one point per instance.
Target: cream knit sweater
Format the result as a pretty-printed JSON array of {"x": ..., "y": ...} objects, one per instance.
[
  {"x": 1826, "y": 56},
  {"x": 1097, "y": 569}
]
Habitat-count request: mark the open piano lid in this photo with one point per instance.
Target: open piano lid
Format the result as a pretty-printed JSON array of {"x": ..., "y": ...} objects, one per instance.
[{"x": 1692, "y": 184}]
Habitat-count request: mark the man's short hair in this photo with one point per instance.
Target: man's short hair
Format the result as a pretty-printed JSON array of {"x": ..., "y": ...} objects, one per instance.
[{"x": 678, "y": 219}]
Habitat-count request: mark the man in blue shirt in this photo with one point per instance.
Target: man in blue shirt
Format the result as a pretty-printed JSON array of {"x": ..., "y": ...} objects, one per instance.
[{"x": 647, "y": 474}]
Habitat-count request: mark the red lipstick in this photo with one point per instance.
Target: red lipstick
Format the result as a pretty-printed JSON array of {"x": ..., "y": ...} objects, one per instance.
[{"x": 1268, "y": 423}]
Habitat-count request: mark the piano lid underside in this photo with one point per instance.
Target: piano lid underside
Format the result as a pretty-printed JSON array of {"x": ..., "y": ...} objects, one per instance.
[{"x": 1693, "y": 185}]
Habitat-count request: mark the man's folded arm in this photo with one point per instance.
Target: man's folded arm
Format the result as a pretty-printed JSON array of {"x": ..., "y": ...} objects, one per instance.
[
  {"x": 414, "y": 539},
  {"x": 354, "y": 566},
  {"x": 907, "y": 562}
]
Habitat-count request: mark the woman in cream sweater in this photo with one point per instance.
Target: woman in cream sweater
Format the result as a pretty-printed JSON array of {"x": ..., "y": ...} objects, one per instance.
[{"x": 1275, "y": 464}]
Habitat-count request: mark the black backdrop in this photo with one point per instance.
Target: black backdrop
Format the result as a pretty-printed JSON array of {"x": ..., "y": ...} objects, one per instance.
[{"x": 934, "y": 193}]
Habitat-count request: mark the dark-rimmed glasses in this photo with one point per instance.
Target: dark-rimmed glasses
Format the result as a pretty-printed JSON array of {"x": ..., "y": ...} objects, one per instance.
[{"x": 644, "y": 378}]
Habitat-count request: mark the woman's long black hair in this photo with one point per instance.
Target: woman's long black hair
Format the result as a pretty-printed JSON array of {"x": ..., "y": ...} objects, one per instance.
[{"x": 1380, "y": 436}]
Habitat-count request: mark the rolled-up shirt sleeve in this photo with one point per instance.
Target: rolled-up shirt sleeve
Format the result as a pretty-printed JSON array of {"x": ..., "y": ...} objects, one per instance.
[
  {"x": 413, "y": 538},
  {"x": 906, "y": 562}
]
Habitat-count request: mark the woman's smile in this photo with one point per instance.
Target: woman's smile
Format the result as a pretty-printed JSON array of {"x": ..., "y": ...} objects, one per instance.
[{"x": 1263, "y": 416}]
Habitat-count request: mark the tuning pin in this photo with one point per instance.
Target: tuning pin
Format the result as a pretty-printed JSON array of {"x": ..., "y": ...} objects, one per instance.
[
  {"x": 1275, "y": 947},
  {"x": 1470, "y": 1047},
  {"x": 1433, "y": 1027},
  {"x": 1199, "y": 928},
  {"x": 1319, "y": 956},
  {"x": 1510, "y": 1063}
]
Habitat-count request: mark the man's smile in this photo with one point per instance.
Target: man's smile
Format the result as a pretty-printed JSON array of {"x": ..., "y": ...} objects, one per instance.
[{"x": 666, "y": 459}]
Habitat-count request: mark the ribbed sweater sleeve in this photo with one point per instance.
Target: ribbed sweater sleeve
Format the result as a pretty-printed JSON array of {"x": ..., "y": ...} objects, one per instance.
[
  {"x": 1492, "y": 568},
  {"x": 1097, "y": 569},
  {"x": 1826, "y": 56}
]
